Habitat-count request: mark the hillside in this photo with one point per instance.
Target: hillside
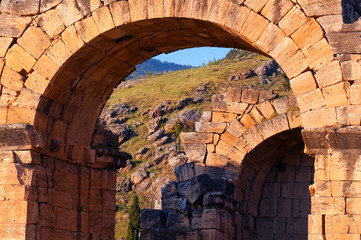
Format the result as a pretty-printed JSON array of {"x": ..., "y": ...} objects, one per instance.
[
  {"x": 155, "y": 66},
  {"x": 142, "y": 116}
]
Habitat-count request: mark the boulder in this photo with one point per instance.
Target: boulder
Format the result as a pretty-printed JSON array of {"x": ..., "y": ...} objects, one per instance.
[
  {"x": 194, "y": 188},
  {"x": 268, "y": 68},
  {"x": 185, "y": 116},
  {"x": 177, "y": 160},
  {"x": 159, "y": 159},
  {"x": 139, "y": 175},
  {"x": 124, "y": 185},
  {"x": 155, "y": 136},
  {"x": 153, "y": 124},
  {"x": 162, "y": 141}
]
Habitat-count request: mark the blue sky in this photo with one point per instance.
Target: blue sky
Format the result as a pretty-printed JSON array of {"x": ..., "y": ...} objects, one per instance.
[{"x": 194, "y": 56}]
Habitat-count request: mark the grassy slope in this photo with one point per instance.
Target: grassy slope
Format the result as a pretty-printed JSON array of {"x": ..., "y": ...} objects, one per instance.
[{"x": 176, "y": 86}]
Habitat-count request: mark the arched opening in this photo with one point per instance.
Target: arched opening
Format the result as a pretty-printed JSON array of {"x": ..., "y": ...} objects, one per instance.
[{"x": 274, "y": 188}]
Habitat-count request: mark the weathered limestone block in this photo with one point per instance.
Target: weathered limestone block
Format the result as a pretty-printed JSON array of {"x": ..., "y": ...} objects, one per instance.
[
  {"x": 153, "y": 219},
  {"x": 36, "y": 83},
  {"x": 210, "y": 127},
  {"x": 87, "y": 29},
  {"x": 195, "y": 152},
  {"x": 4, "y": 45},
  {"x": 293, "y": 20},
  {"x": 194, "y": 188},
  {"x": 12, "y": 79},
  {"x": 255, "y": 5},
  {"x": 324, "y": 117},
  {"x": 266, "y": 109},
  {"x": 273, "y": 126},
  {"x": 320, "y": 7},
  {"x": 302, "y": 84},
  {"x": 311, "y": 101},
  {"x": 319, "y": 54},
  {"x": 19, "y": 60},
  {"x": 294, "y": 119},
  {"x": 223, "y": 117},
  {"x": 223, "y": 148},
  {"x": 265, "y": 95},
  {"x": 312, "y": 30},
  {"x": 216, "y": 160},
  {"x": 194, "y": 137},
  {"x": 247, "y": 121},
  {"x": 47, "y": 4},
  {"x": 120, "y": 12},
  {"x": 217, "y": 98},
  {"x": 230, "y": 107},
  {"x": 256, "y": 115},
  {"x": 282, "y": 105},
  {"x": 351, "y": 70},
  {"x": 336, "y": 95},
  {"x": 250, "y": 96},
  {"x": 253, "y": 137},
  {"x": 34, "y": 41},
  {"x": 59, "y": 52},
  {"x": 138, "y": 10},
  {"x": 329, "y": 74},
  {"x": 271, "y": 36},
  {"x": 254, "y": 26},
  {"x": 103, "y": 19},
  {"x": 233, "y": 95},
  {"x": 72, "y": 39},
  {"x": 339, "y": 45},
  {"x": 20, "y": 7},
  {"x": 206, "y": 218},
  {"x": 13, "y": 26},
  {"x": 69, "y": 12},
  {"x": 274, "y": 10},
  {"x": 236, "y": 129},
  {"x": 206, "y": 116}
]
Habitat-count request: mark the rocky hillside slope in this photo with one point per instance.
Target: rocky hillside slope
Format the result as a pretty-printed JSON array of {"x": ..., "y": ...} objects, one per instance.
[{"x": 145, "y": 116}]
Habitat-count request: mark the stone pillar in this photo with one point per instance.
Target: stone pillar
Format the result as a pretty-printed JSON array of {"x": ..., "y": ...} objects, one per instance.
[
  {"x": 44, "y": 197},
  {"x": 336, "y": 193}
]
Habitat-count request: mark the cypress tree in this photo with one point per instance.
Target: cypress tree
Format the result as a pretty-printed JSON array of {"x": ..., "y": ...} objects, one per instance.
[{"x": 134, "y": 219}]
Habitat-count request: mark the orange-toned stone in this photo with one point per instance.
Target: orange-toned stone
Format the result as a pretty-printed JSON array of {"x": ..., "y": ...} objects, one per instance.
[
  {"x": 11, "y": 79},
  {"x": 349, "y": 115},
  {"x": 211, "y": 148},
  {"x": 120, "y": 12},
  {"x": 229, "y": 138},
  {"x": 59, "y": 53},
  {"x": 255, "y": 5},
  {"x": 327, "y": 205},
  {"x": 87, "y": 29},
  {"x": 303, "y": 83},
  {"x": 320, "y": 54},
  {"x": 34, "y": 41},
  {"x": 103, "y": 19},
  {"x": 324, "y": 117},
  {"x": 336, "y": 95},
  {"x": 294, "y": 119},
  {"x": 168, "y": 8},
  {"x": 3, "y": 117},
  {"x": 12, "y": 25},
  {"x": 271, "y": 36},
  {"x": 247, "y": 121},
  {"x": 36, "y": 83},
  {"x": 254, "y": 26},
  {"x": 223, "y": 148},
  {"x": 315, "y": 224},
  {"x": 293, "y": 20},
  {"x": 194, "y": 137},
  {"x": 216, "y": 160},
  {"x": 353, "y": 206},
  {"x": 256, "y": 115},
  {"x": 16, "y": 212},
  {"x": 329, "y": 74},
  {"x": 72, "y": 39},
  {"x": 138, "y": 10},
  {"x": 308, "y": 34},
  {"x": 155, "y": 9},
  {"x": 311, "y": 101},
  {"x": 21, "y": 115},
  {"x": 4, "y": 45},
  {"x": 50, "y": 22},
  {"x": 274, "y": 10},
  {"x": 19, "y": 60},
  {"x": 266, "y": 109},
  {"x": 236, "y": 129},
  {"x": 223, "y": 117},
  {"x": 69, "y": 12},
  {"x": 46, "y": 67}
]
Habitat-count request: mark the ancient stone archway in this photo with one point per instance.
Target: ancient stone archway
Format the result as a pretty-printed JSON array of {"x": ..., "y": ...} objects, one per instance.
[{"x": 60, "y": 60}]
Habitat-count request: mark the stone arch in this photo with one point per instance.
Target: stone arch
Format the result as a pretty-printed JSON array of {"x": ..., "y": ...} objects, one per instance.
[{"x": 60, "y": 60}]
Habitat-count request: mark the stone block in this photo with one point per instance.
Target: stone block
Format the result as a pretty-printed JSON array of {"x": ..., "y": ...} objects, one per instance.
[
  {"x": 269, "y": 225},
  {"x": 195, "y": 152},
  {"x": 16, "y": 212},
  {"x": 312, "y": 30},
  {"x": 274, "y": 10},
  {"x": 329, "y": 74},
  {"x": 266, "y": 109},
  {"x": 271, "y": 36},
  {"x": 273, "y": 126},
  {"x": 303, "y": 83},
  {"x": 195, "y": 137},
  {"x": 319, "y": 7},
  {"x": 250, "y": 96},
  {"x": 351, "y": 70},
  {"x": 320, "y": 54},
  {"x": 223, "y": 148},
  {"x": 253, "y": 137},
  {"x": 328, "y": 205},
  {"x": 230, "y": 107},
  {"x": 265, "y": 95},
  {"x": 211, "y": 148},
  {"x": 46, "y": 67},
  {"x": 87, "y": 29},
  {"x": 256, "y": 115},
  {"x": 311, "y": 101},
  {"x": 120, "y": 12},
  {"x": 50, "y": 22},
  {"x": 247, "y": 121},
  {"x": 216, "y": 160},
  {"x": 206, "y": 218},
  {"x": 36, "y": 83},
  {"x": 233, "y": 95},
  {"x": 19, "y": 60},
  {"x": 236, "y": 129},
  {"x": 194, "y": 188},
  {"x": 4, "y": 45},
  {"x": 294, "y": 119},
  {"x": 292, "y": 21},
  {"x": 59, "y": 52},
  {"x": 268, "y": 208},
  {"x": 72, "y": 39},
  {"x": 69, "y": 12},
  {"x": 217, "y": 98},
  {"x": 210, "y": 127},
  {"x": 13, "y": 26},
  {"x": 255, "y": 5},
  {"x": 223, "y": 117},
  {"x": 281, "y": 105},
  {"x": 138, "y": 10},
  {"x": 336, "y": 95},
  {"x": 349, "y": 115},
  {"x": 12, "y": 79},
  {"x": 229, "y": 138},
  {"x": 34, "y": 41},
  {"x": 103, "y": 19},
  {"x": 324, "y": 117}
]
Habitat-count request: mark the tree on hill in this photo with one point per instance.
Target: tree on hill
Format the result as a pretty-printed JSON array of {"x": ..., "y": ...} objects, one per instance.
[{"x": 134, "y": 219}]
